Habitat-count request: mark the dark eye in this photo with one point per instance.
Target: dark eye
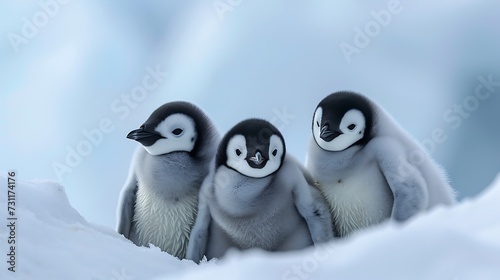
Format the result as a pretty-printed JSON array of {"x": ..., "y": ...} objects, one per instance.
[
  {"x": 238, "y": 152},
  {"x": 275, "y": 152},
  {"x": 177, "y": 131},
  {"x": 352, "y": 126},
  {"x": 317, "y": 123}
]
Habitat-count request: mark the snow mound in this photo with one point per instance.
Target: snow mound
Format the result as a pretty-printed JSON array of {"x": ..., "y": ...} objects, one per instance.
[
  {"x": 456, "y": 243},
  {"x": 54, "y": 242}
]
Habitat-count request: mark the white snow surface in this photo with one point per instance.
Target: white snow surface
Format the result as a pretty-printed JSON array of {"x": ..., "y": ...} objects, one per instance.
[{"x": 53, "y": 241}]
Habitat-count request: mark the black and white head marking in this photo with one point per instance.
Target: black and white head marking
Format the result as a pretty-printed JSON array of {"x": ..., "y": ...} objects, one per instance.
[
  {"x": 254, "y": 148},
  {"x": 173, "y": 127},
  {"x": 341, "y": 120}
]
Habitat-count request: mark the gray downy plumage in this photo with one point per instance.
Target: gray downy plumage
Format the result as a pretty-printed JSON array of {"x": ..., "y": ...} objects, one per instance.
[
  {"x": 368, "y": 168},
  {"x": 257, "y": 197},
  {"x": 159, "y": 201}
]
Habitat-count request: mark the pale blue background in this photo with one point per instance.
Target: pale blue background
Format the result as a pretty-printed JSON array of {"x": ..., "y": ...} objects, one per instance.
[{"x": 264, "y": 56}]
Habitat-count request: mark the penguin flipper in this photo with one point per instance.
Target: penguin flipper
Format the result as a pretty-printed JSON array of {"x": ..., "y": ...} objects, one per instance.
[
  {"x": 126, "y": 205},
  {"x": 307, "y": 175},
  {"x": 405, "y": 180},
  {"x": 313, "y": 207},
  {"x": 198, "y": 238}
]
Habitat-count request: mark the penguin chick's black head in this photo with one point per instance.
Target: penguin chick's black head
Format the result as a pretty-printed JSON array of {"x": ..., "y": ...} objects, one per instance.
[
  {"x": 341, "y": 113},
  {"x": 171, "y": 121},
  {"x": 253, "y": 147}
]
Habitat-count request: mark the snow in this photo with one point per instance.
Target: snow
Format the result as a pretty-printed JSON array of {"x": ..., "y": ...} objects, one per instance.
[{"x": 55, "y": 242}]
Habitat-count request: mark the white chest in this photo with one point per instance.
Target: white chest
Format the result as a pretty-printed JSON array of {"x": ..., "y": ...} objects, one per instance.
[
  {"x": 359, "y": 198},
  {"x": 165, "y": 223}
]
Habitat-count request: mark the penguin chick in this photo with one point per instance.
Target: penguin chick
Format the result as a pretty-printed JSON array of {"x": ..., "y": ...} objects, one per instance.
[
  {"x": 257, "y": 197},
  {"x": 159, "y": 201},
  {"x": 368, "y": 168}
]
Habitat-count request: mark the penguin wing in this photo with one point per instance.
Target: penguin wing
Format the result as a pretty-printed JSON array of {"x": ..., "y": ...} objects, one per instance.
[
  {"x": 310, "y": 204},
  {"x": 307, "y": 175},
  {"x": 405, "y": 180},
  {"x": 309, "y": 178},
  {"x": 126, "y": 204},
  {"x": 198, "y": 238}
]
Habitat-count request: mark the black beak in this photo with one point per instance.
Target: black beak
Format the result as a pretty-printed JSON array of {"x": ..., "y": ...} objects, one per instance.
[
  {"x": 257, "y": 161},
  {"x": 328, "y": 135},
  {"x": 142, "y": 136}
]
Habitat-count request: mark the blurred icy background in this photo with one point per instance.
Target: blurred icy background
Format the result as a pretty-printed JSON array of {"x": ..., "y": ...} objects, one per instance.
[{"x": 260, "y": 59}]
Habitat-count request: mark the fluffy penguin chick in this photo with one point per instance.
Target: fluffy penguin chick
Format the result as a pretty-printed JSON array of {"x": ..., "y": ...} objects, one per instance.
[
  {"x": 257, "y": 197},
  {"x": 159, "y": 201},
  {"x": 368, "y": 168}
]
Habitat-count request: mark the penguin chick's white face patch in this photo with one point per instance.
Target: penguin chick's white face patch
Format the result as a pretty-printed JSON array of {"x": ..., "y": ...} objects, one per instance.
[
  {"x": 238, "y": 157},
  {"x": 351, "y": 129},
  {"x": 179, "y": 134}
]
